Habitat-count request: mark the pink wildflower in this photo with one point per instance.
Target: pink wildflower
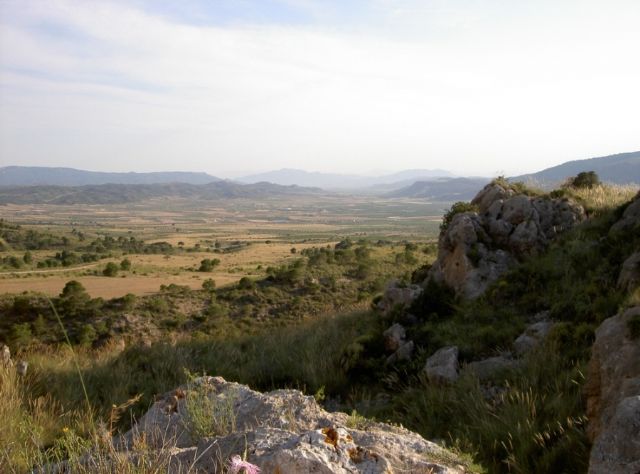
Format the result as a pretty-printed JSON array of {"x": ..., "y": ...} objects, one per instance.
[{"x": 236, "y": 464}]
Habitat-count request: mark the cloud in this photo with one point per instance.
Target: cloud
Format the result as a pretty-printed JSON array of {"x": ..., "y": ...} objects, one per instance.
[{"x": 110, "y": 86}]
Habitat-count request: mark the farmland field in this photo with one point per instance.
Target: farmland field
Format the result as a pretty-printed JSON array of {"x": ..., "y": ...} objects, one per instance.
[{"x": 246, "y": 236}]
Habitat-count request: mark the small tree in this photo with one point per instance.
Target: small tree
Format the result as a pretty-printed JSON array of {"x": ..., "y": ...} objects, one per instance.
[
  {"x": 585, "y": 179},
  {"x": 110, "y": 270},
  {"x": 27, "y": 258},
  {"x": 125, "y": 265}
]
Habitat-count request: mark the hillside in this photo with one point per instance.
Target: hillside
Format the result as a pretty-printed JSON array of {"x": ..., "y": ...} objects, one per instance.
[
  {"x": 339, "y": 181},
  {"x": 454, "y": 189},
  {"x": 127, "y": 193},
  {"x": 37, "y": 175},
  {"x": 623, "y": 168}
]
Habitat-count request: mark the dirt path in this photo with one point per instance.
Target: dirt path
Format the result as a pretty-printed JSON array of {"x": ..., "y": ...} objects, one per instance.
[{"x": 56, "y": 270}]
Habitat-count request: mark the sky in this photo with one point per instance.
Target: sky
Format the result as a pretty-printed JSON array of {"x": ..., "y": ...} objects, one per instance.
[{"x": 233, "y": 87}]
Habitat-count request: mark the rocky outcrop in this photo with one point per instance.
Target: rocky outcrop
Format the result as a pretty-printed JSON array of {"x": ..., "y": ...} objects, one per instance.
[
  {"x": 476, "y": 248},
  {"x": 613, "y": 397},
  {"x": 442, "y": 366},
  {"x": 280, "y": 432}
]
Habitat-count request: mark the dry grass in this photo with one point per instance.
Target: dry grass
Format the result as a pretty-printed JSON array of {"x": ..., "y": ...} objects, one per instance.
[{"x": 604, "y": 196}]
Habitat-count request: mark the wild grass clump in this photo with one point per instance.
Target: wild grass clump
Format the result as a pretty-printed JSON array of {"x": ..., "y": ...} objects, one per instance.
[
  {"x": 601, "y": 198},
  {"x": 529, "y": 425}
]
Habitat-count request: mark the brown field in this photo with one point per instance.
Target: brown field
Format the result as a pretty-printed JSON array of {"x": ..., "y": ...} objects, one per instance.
[{"x": 307, "y": 222}]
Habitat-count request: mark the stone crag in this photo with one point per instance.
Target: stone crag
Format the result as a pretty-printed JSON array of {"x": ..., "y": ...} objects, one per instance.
[
  {"x": 282, "y": 432},
  {"x": 476, "y": 248}
]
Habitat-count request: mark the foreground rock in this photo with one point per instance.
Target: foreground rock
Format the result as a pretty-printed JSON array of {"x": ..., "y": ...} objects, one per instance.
[
  {"x": 442, "y": 366},
  {"x": 280, "y": 432},
  {"x": 613, "y": 398},
  {"x": 478, "y": 247},
  {"x": 532, "y": 337}
]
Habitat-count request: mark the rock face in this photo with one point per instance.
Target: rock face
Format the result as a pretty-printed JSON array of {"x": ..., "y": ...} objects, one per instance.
[
  {"x": 476, "y": 248},
  {"x": 613, "y": 398},
  {"x": 442, "y": 366},
  {"x": 281, "y": 432}
]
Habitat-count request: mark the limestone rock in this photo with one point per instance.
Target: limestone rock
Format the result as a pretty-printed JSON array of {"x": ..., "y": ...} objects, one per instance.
[
  {"x": 394, "y": 337},
  {"x": 396, "y": 294},
  {"x": 630, "y": 274},
  {"x": 283, "y": 431},
  {"x": 477, "y": 248},
  {"x": 532, "y": 337},
  {"x": 487, "y": 368},
  {"x": 612, "y": 390},
  {"x": 442, "y": 366},
  {"x": 404, "y": 352}
]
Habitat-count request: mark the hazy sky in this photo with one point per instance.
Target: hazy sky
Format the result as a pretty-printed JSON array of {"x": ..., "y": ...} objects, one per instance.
[{"x": 232, "y": 86}]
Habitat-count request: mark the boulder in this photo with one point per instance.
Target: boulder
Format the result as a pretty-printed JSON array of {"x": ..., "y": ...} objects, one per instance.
[
  {"x": 477, "y": 248},
  {"x": 488, "y": 368},
  {"x": 612, "y": 390},
  {"x": 282, "y": 431},
  {"x": 630, "y": 273},
  {"x": 404, "y": 352},
  {"x": 394, "y": 337},
  {"x": 397, "y": 294},
  {"x": 532, "y": 337},
  {"x": 442, "y": 366}
]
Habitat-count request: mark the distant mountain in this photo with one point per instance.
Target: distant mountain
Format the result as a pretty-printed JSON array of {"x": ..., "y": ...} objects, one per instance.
[
  {"x": 127, "y": 193},
  {"x": 623, "y": 168},
  {"x": 37, "y": 175},
  {"x": 443, "y": 189},
  {"x": 339, "y": 181}
]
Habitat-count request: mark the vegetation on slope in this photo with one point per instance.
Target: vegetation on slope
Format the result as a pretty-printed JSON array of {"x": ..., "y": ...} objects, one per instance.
[{"x": 533, "y": 423}]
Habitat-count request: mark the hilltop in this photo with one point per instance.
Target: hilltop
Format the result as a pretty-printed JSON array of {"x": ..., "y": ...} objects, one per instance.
[{"x": 623, "y": 168}]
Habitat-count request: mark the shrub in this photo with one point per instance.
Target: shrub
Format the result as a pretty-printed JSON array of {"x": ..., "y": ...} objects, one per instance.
[
  {"x": 457, "y": 208},
  {"x": 110, "y": 270},
  {"x": 585, "y": 179},
  {"x": 208, "y": 264},
  {"x": 125, "y": 265}
]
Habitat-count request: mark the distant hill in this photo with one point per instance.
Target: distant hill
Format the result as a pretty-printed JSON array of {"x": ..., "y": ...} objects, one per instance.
[
  {"x": 127, "y": 193},
  {"x": 623, "y": 168},
  {"x": 443, "y": 189},
  {"x": 37, "y": 175},
  {"x": 339, "y": 181}
]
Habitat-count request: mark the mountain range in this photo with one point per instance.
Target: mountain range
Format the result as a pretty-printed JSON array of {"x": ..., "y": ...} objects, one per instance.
[
  {"x": 39, "y": 175},
  {"x": 127, "y": 193},
  {"x": 623, "y": 168},
  {"x": 336, "y": 181}
]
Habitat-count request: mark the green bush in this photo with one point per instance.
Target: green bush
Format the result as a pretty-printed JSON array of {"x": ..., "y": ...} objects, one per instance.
[
  {"x": 457, "y": 208},
  {"x": 110, "y": 270}
]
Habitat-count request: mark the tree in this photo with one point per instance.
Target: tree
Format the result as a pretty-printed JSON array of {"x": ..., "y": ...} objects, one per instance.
[
  {"x": 110, "y": 270},
  {"x": 27, "y": 258},
  {"x": 207, "y": 265},
  {"x": 585, "y": 179},
  {"x": 125, "y": 265}
]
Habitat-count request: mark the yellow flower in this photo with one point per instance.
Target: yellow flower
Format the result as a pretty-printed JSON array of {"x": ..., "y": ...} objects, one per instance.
[{"x": 65, "y": 429}]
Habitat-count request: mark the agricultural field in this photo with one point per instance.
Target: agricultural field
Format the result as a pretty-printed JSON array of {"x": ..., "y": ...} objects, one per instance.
[{"x": 245, "y": 236}]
